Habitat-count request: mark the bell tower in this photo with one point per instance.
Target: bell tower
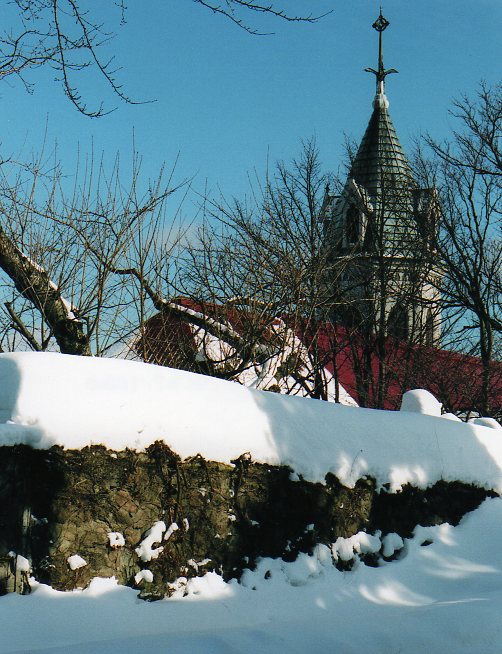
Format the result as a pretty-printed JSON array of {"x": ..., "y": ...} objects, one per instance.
[{"x": 378, "y": 232}]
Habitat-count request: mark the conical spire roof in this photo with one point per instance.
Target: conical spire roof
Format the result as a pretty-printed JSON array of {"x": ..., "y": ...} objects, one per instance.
[{"x": 380, "y": 159}]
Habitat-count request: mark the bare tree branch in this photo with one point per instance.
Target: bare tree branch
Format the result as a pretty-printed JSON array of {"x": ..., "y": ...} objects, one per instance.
[{"x": 67, "y": 37}]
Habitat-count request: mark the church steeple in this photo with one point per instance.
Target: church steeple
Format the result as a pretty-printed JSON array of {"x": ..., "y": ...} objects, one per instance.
[
  {"x": 380, "y": 154},
  {"x": 377, "y": 231}
]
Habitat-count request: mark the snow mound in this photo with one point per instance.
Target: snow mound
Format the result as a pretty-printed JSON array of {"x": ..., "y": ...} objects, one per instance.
[
  {"x": 450, "y": 416},
  {"x": 421, "y": 401},
  {"x": 486, "y": 422},
  {"x": 360, "y": 543},
  {"x": 52, "y": 399}
]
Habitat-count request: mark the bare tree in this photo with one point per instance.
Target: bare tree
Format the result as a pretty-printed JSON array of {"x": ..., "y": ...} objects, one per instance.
[
  {"x": 62, "y": 35},
  {"x": 466, "y": 172},
  {"x": 238, "y": 10},
  {"x": 69, "y": 37},
  {"x": 267, "y": 258},
  {"x": 74, "y": 263},
  {"x": 64, "y": 255},
  {"x": 268, "y": 288},
  {"x": 260, "y": 266}
]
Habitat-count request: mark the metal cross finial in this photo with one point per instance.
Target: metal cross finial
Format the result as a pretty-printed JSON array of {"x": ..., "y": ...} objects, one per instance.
[{"x": 380, "y": 25}]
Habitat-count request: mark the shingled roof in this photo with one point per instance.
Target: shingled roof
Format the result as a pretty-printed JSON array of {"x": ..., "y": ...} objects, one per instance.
[
  {"x": 381, "y": 174},
  {"x": 176, "y": 339},
  {"x": 380, "y": 156}
]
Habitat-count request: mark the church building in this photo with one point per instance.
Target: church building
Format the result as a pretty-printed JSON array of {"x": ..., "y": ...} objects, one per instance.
[
  {"x": 379, "y": 233},
  {"x": 379, "y": 327}
]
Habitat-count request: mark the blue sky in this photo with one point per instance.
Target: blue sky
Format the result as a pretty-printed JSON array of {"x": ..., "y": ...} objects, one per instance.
[{"x": 226, "y": 101}]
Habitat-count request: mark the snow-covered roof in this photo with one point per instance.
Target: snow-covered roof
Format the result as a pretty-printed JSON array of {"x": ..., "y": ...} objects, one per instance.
[{"x": 180, "y": 336}]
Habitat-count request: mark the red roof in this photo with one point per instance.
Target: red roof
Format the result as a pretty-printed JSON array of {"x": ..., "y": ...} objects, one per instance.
[
  {"x": 455, "y": 379},
  {"x": 375, "y": 373}
]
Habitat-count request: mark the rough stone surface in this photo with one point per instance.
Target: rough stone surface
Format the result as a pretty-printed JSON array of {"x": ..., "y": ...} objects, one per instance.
[{"x": 58, "y": 503}]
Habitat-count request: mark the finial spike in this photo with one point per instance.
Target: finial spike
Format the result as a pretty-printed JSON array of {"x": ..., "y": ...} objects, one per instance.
[{"x": 380, "y": 25}]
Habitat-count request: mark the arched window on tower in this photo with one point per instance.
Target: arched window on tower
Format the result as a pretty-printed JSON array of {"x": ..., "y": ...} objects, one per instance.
[
  {"x": 397, "y": 324},
  {"x": 429, "y": 329},
  {"x": 352, "y": 225},
  {"x": 352, "y": 316}
]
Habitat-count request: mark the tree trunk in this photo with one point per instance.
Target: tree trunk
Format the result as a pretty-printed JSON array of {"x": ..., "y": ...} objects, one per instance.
[{"x": 35, "y": 285}]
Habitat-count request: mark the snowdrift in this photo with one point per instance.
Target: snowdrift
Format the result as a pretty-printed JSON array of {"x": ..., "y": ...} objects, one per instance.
[{"x": 52, "y": 399}]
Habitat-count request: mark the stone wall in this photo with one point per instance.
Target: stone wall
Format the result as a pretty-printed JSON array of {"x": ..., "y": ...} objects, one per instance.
[{"x": 57, "y": 503}]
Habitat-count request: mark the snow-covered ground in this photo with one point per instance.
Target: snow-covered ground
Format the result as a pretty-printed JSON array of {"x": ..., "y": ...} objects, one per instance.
[
  {"x": 442, "y": 595},
  {"x": 442, "y": 598}
]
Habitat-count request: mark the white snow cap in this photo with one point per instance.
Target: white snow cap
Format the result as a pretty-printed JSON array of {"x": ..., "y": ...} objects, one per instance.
[
  {"x": 143, "y": 575},
  {"x": 22, "y": 563},
  {"x": 486, "y": 422},
  {"x": 380, "y": 101},
  {"x": 391, "y": 544},
  {"x": 116, "y": 539},
  {"x": 146, "y": 550},
  {"x": 172, "y": 528},
  {"x": 76, "y": 561},
  {"x": 360, "y": 543},
  {"x": 421, "y": 401}
]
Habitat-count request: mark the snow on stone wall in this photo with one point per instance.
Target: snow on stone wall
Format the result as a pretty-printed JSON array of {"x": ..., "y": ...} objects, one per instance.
[{"x": 48, "y": 399}]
